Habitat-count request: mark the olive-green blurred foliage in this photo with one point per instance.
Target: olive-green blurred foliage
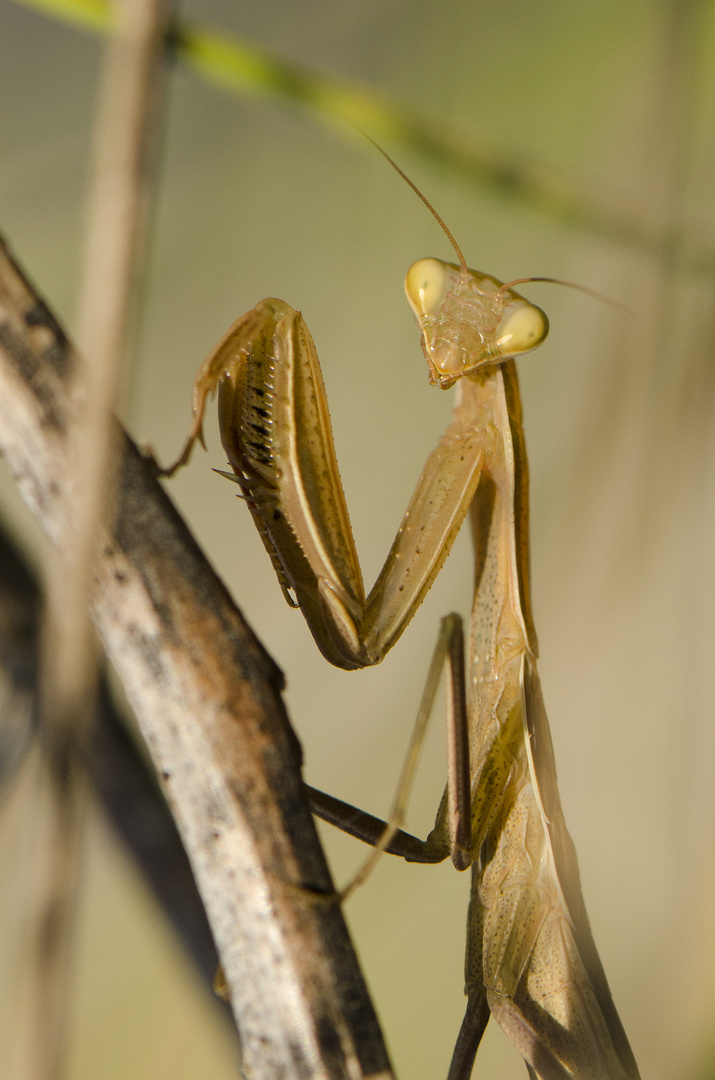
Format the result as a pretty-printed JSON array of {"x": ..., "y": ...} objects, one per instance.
[{"x": 256, "y": 198}]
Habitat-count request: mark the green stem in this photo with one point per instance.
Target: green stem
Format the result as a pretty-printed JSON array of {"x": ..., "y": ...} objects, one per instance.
[{"x": 246, "y": 69}]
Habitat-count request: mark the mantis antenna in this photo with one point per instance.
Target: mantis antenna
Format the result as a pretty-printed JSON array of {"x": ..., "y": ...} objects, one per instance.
[
  {"x": 462, "y": 261},
  {"x": 425, "y": 200}
]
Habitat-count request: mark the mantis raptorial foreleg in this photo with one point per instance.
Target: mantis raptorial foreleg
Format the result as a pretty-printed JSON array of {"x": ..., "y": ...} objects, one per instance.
[{"x": 531, "y": 961}]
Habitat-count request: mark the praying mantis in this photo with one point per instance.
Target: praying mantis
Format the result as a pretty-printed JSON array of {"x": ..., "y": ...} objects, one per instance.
[{"x": 531, "y": 961}]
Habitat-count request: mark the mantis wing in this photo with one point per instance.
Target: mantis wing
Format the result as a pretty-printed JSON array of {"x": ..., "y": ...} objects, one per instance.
[
  {"x": 530, "y": 948},
  {"x": 544, "y": 981}
]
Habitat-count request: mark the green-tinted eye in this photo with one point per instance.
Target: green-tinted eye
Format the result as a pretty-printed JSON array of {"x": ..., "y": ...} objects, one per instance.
[
  {"x": 425, "y": 286},
  {"x": 523, "y": 327}
]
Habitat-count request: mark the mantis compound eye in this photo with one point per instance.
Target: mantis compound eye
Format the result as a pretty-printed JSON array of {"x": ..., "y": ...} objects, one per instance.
[
  {"x": 523, "y": 327},
  {"x": 425, "y": 286}
]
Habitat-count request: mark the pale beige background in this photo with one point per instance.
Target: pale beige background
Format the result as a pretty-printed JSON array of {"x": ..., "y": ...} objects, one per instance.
[{"x": 257, "y": 199}]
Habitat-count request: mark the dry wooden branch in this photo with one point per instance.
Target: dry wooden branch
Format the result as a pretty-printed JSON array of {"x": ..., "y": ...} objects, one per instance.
[
  {"x": 121, "y": 777},
  {"x": 207, "y": 698}
]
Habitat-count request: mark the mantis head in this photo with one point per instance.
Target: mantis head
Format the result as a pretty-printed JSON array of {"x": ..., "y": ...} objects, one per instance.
[{"x": 468, "y": 319}]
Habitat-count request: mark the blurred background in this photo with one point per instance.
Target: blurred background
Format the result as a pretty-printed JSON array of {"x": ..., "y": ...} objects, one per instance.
[{"x": 612, "y": 105}]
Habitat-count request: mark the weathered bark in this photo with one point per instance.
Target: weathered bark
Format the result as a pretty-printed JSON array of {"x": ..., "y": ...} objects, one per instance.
[{"x": 207, "y": 699}]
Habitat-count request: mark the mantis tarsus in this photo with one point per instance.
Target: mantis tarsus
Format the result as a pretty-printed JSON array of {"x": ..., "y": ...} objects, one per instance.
[{"x": 531, "y": 961}]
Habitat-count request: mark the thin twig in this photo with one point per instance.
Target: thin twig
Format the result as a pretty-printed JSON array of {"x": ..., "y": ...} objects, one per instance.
[
  {"x": 118, "y": 194},
  {"x": 206, "y": 696}
]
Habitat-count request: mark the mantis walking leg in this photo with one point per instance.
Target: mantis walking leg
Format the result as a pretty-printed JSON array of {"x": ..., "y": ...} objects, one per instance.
[{"x": 531, "y": 961}]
